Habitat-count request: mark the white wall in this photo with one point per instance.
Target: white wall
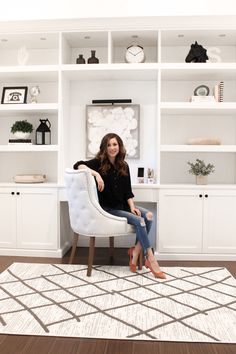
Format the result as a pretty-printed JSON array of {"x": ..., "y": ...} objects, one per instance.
[{"x": 68, "y": 9}]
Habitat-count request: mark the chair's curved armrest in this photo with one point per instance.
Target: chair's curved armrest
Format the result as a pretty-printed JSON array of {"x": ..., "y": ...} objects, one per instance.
[{"x": 106, "y": 214}]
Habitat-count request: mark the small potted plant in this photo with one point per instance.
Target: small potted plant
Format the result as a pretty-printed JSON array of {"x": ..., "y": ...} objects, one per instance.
[
  {"x": 22, "y": 129},
  {"x": 201, "y": 170}
]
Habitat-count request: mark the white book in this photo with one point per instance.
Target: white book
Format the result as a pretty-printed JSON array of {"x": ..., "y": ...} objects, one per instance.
[
  {"x": 221, "y": 91},
  {"x": 203, "y": 99},
  {"x": 216, "y": 92},
  {"x": 19, "y": 143}
]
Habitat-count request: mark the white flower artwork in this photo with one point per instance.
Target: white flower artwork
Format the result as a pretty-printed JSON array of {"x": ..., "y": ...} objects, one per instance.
[{"x": 122, "y": 120}]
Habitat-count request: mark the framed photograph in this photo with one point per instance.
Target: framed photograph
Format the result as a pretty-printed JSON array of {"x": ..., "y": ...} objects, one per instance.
[
  {"x": 13, "y": 95},
  {"x": 120, "y": 119}
]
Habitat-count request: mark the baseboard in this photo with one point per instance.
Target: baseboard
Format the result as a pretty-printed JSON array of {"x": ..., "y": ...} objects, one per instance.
[
  {"x": 194, "y": 257},
  {"x": 31, "y": 253}
]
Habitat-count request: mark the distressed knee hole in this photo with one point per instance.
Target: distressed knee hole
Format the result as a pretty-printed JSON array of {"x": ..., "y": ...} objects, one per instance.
[
  {"x": 142, "y": 222},
  {"x": 149, "y": 215}
]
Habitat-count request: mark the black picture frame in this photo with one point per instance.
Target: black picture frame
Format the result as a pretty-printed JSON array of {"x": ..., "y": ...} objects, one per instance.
[{"x": 14, "y": 95}]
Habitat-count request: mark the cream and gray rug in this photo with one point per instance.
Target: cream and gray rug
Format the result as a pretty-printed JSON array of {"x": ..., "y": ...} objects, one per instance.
[{"x": 192, "y": 304}]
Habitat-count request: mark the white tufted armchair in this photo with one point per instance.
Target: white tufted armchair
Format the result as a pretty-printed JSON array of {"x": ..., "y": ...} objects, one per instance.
[{"x": 87, "y": 218}]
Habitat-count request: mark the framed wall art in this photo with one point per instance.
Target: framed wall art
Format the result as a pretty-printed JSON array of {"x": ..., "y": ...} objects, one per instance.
[
  {"x": 13, "y": 95},
  {"x": 120, "y": 119}
]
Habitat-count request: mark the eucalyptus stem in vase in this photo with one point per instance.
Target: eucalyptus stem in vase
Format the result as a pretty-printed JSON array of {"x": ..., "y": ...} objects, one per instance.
[{"x": 201, "y": 170}]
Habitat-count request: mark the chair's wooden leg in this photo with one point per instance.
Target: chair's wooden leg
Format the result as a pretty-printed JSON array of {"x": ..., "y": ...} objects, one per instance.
[
  {"x": 75, "y": 241},
  {"x": 91, "y": 255},
  {"x": 111, "y": 249},
  {"x": 140, "y": 260}
]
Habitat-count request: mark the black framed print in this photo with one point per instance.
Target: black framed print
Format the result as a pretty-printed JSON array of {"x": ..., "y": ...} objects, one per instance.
[{"x": 13, "y": 95}]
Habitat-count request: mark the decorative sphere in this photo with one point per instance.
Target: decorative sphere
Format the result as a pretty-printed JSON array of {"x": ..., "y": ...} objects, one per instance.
[{"x": 34, "y": 91}]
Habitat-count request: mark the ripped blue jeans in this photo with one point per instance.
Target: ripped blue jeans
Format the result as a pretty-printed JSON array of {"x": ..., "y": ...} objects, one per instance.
[{"x": 142, "y": 224}]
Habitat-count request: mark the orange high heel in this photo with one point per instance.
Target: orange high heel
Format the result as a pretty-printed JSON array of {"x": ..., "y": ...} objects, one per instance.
[
  {"x": 132, "y": 266},
  {"x": 160, "y": 274}
]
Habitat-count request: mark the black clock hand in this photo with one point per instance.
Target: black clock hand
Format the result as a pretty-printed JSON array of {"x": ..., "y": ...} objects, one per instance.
[
  {"x": 138, "y": 52},
  {"x": 131, "y": 52}
]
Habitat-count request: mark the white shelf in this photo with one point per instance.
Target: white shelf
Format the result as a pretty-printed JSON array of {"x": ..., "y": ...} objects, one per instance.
[
  {"x": 211, "y": 37},
  {"x": 198, "y": 148},
  {"x": 35, "y": 73},
  {"x": 31, "y": 185},
  {"x": 31, "y": 40},
  {"x": 134, "y": 72},
  {"x": 198, "y": 186},
  {"x": 145, "y": 185},
  {"x": 198, "y": 71},
  {"x": 28, "y": 148},
  {"x": 218, "y": 108},
  {"x": 28, "y": 108}
]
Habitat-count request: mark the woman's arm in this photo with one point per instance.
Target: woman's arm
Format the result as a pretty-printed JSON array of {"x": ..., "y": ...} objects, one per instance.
[
  {"x": 129, "y": 194},
  {"x": 127, "y": 186},
  {"x": 96, "y": 174},
  {"x": 92, "y": 165},
  {"x": 132, "y": 207}
]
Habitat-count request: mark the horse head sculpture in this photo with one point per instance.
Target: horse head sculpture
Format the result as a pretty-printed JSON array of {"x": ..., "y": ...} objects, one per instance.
[{"x": 197, "y": 54}]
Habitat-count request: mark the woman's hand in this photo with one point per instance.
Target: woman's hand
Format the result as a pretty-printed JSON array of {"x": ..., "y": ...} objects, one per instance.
[
  {"x": 100, "y": 182},
  {"x": 135, "y": 211},
  {"x": 132, "y": 207}
]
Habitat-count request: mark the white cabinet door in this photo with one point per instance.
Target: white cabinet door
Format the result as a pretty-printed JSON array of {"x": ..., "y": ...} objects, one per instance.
[
  {"x": 219, "y": 222},
  {"x": 8, "y": 218},
  {"x": 37, "y": 218},
  {"x": 180, "y": 221}
]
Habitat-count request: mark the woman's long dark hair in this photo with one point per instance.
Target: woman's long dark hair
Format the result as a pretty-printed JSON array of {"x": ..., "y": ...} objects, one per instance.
[{"x": 120, "y": 163}]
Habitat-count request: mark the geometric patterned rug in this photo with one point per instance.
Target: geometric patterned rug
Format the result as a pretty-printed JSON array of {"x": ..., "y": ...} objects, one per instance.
[{"x": 192, "y": 304}]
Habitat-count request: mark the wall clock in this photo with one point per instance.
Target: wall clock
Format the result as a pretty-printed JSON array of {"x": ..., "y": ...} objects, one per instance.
[{"x": 134, "y": 54}]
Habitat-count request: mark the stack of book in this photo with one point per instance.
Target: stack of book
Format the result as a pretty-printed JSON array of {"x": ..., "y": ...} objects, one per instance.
[
  {"x": 34, "y": 178},
  {"x": 219, "y": 91},
  {"x": 20, "y": 141},
  {"x": 202, "y": 99}
]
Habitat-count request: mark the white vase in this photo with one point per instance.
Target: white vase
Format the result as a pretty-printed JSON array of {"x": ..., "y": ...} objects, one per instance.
[
  {"x": 201, "y": 179},
  {"x": 21, "y": 135}
]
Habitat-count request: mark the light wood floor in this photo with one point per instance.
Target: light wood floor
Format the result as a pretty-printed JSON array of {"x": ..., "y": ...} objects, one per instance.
[{"x": 12, "y": 344}]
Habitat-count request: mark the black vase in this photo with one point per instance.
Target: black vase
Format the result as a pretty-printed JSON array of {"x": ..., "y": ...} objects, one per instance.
[
  {"x": 93, "y": 59},
  {"x": 80, "y": 60}
]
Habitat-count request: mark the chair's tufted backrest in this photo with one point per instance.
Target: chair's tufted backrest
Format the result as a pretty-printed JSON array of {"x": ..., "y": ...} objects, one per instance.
[{"x": 86, "y": 215}]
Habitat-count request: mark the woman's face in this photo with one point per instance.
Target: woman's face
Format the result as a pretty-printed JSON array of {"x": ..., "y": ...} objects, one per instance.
[{"x": 112, "y": 148}]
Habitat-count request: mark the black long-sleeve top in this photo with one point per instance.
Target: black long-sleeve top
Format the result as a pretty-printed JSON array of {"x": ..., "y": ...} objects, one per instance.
[{"x": 117, "y": 189}]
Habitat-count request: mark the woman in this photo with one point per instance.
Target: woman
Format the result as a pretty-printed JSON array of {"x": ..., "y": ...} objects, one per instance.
[{"x": 115, "y": 196}]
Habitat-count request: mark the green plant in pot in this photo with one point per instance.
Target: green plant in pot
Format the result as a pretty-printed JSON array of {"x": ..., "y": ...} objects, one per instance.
[
  {"x": 22, "y": 129},
  {"x": 201, "y": 170}
]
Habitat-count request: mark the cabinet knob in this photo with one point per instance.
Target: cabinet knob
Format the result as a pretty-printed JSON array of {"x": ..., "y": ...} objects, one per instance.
[
  {"x": 17, "y": 193},
  {"x": 206, "y": 195},
  {"x": 200, "y": 195},
  {"x": 12, "y": 193}
]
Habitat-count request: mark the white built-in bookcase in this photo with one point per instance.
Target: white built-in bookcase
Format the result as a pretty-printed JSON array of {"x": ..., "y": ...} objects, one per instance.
[
  {"x": 162, "y": 86},
  {"x": 41, "y": 69}
]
